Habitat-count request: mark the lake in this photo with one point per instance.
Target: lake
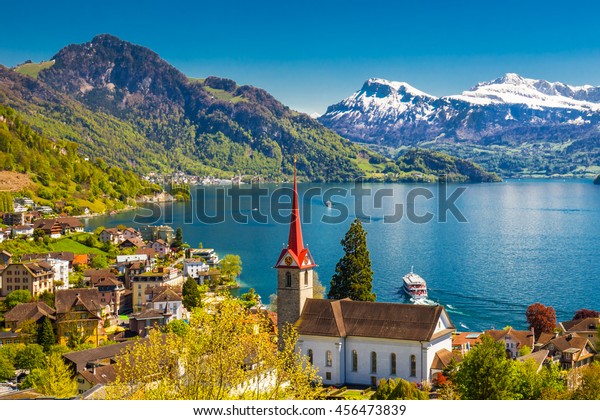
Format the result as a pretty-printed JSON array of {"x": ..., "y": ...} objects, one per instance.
[{"x": 516, "y": 243}]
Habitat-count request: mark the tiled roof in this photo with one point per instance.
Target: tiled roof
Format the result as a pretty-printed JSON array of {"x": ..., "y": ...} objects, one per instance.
[
  {"x": 148, "y": 314},
  {"x": 32, "y": 310},
  {"x": 66, "y": 299},
  {"x": 57, "y": 255},
  {"x": 443, "y": 358},
  {"x": 580, "y": 325},
  {"x": 524, "y": 338},
  {"x": 100, "y": 375},
  {"x": 538, "y": 357},
  {"x": 81, "y": 358},
  {"x": 167, "y": 294},
  {"x": 341, "y": 318}
]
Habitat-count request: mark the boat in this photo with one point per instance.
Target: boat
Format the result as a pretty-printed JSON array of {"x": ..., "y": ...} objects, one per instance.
[{"x": 414, "y": 286}]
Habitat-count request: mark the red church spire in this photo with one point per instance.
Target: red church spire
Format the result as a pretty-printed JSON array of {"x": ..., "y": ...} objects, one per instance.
[{"x": 295, "y": 254}]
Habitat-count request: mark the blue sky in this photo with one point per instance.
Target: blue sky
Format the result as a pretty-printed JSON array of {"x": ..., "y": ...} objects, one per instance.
[{"x": 310, "y": 54}]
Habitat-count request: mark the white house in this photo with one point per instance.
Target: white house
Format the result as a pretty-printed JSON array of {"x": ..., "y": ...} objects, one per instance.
[
  {"x": 23, "y": 230},
  {"x": 160, "y": 247},
  {"x": 113, "y": 235},
  {"x": 362, "y": 342},
  {"x": 131, "y": 233},
  {"x": 130, "y": 258},
  {"x": 61, "y": 271},
  {"x": 192, "y": 267},
  {"x": 170, "y": 302}
]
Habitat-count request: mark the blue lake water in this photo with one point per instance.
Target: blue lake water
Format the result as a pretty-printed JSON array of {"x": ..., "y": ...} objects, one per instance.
[{"x": 522, "y": 242}]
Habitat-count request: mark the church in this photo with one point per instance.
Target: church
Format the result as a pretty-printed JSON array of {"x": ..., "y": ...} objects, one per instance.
[{"x": 353, "y": 342}]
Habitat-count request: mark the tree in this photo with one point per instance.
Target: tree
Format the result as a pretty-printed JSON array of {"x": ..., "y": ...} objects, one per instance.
[
  {"x": 250, "y": 298},
  {"x": 589, "y": 389},
  {"x": 231, "y": 267},
  {"x": 47, "y": 297},
  {"x": 399, "y": 389},
  {"x": 178, "y": 241},
  {"x": 178, "y": 327},
  {"x": 54, "y": 380},
  {"x": 211, "y": 361},
  {"x": 99, "y": 230},
  {"x": 17, "y": 296},
  {"x": 524, "y": 350},
  {"x": 318, "y": 288},
  {"x": 353, "y": 277},
  {"x": 486, "y": 373},
  {"x": 30, "y": 357},
  {"x": 7, "y": 369},
  {"x": 99, "y": 261},
  {"x": 541, "y": 318},
  {"x": 192, "y": 298},
  {"x": 585, "y": 313},
  {"x": 46, "y": 337}
]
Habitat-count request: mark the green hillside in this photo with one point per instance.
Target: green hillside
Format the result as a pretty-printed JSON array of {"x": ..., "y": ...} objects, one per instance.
[
  {"x": 58, "y": 173},
  {"x": 33, "y": 69}
]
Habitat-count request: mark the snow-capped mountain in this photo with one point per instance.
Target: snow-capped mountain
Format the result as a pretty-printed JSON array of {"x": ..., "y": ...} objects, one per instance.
[{"x": 511, "y": 109}]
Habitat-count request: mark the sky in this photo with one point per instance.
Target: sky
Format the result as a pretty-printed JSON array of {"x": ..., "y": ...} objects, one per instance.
[{"x": 311, "y": 54}]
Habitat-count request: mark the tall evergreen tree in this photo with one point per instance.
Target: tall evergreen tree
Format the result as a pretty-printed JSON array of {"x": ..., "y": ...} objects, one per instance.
[
  {"x": 191, "y": 294},
  {"x": 46, "y": 337},
  {"x": 353, "y": 277}
]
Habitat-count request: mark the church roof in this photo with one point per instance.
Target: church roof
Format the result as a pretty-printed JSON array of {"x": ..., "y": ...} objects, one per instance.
[
  {"x": 295, "y": 255},
  {"x": 345, "y": 318}
]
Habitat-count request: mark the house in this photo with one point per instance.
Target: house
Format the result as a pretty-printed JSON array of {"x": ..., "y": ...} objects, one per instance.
[
  {"x": 131, "y": 233},
  {"x": 14, "y": 218},
  {"x": 129, "y": 258},
  {"x": 207, "y": 254},
  {"x": 113, "y": 293},
  {"x": 112, "y": 235},
  {"x": 160, "y": 247},
  {"x": 88, "y": 378},
  {"x": 81, "y": 360},
  {"x": 58, "y": 255},
  {"x": 1, "y": 236},
  {"x": 587, "y": 327},
  {"x": 5, "y": 257},
  {"x": 36, "y": 311},
  {"x": 133, "y": 242},
  {"x": 538, "y": 357},
  {"x": 192, "y": 267},
  {"x": 81, "y": 260},
  {"x": 463, "y": 342},
  {"x": 22, "y": 230},
  {"x": 160, "y": 277},
  {"x": 142, "y": 322},
  {"x": 61, "y": 272},
  {"x": 79, "y": 316},
  {"x": 70, "y": 225},
  {"x": 170, "y": 300},
  {"x": 571, "y": 351},
  {"x": 149, "y": 252},
  {"x": 37, "y": 277},
  {"x": 513, "y": 340},
  {"x": 11, "y": 337},
  {"x": 50, "y": 227},
  {"x": 93, "y": 275},
  {"x": 152, "y": 233},
  {"x": 363, "y": 342}
]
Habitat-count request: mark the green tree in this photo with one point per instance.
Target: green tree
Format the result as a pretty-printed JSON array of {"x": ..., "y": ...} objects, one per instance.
[
  {"x": 30, "y": 357},
  {"x": 486, "y": 373},
  {"x": 47, "y": 297},
  {"x": 46, "y": 337},
  {"x": 99, "y": 261},
  {"x": 318, "y": 288},
  {"x": 7, "y": 369},
  {"x": 250, "y": 298},
  {"x": 231, "y": 267},
  {"x": 399, "y": 389},
  {"x": 54, "y": 380},
  {"x": 17, "y": 296},
  {"x": 353, "y": 277},
  {"x": 178, "y": 327},
  {"x": 192, "y": 298},
  {"x": 178, "y": 241}
]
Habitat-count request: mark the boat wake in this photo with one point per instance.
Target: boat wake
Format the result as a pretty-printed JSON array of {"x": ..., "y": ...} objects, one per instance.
[{"x": 423, "y": 301}]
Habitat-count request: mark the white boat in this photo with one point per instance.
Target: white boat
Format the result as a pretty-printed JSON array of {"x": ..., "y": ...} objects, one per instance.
[{"x": 414, "y": 286}]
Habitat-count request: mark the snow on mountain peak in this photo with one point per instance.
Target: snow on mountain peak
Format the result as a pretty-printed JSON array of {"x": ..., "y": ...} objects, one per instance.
[{"x": 402, "y": 88}]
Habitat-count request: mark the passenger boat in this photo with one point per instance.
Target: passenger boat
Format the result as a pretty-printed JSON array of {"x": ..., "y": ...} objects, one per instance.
[{"x": 414, "y": 285}]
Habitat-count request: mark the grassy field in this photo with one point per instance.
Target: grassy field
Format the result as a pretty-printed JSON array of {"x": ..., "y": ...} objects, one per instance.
[
  {"x": 223, "y": 95},
  {"x": 70, "y": 245},
  {"x": 33, "y": 69},
  {"x": 18, "y": 247}
]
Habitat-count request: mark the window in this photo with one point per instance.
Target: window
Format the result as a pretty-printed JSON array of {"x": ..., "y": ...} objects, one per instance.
[
  {"x": 288, "y": 279},
  {"x": 328, "y": 376},
  {"x": 373, "y": 361},
  {"x": 413, "y": 365},
  {"x": 354, "y": 361},
  {"x": 393, "y": 363},
  {"x": 309, "y": 353},
  {"x": 306, "y": 278},
  {"x": 328, "y": 358}
]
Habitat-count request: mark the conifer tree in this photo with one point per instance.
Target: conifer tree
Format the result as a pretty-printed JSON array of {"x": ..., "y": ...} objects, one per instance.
[
  {"x": 192, "y": 297},
  {"x": 46, "y": 337},
  {"x": 353, "y": 277}
]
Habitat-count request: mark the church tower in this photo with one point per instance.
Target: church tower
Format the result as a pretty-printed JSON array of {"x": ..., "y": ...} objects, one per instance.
[{"x": 294, "y": 270}]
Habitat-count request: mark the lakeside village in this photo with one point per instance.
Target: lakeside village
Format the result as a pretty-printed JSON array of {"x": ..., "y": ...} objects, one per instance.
[{"x": 73, "y": 320}]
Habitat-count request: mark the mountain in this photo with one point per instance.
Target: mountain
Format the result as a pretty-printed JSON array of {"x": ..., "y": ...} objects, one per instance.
[
  {"x": 121, "y": 102},
  {"x": 509, "y": 114}
]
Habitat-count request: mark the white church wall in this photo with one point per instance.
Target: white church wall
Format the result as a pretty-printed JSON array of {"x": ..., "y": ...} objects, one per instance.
[{"x": 320, "y": 346}]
